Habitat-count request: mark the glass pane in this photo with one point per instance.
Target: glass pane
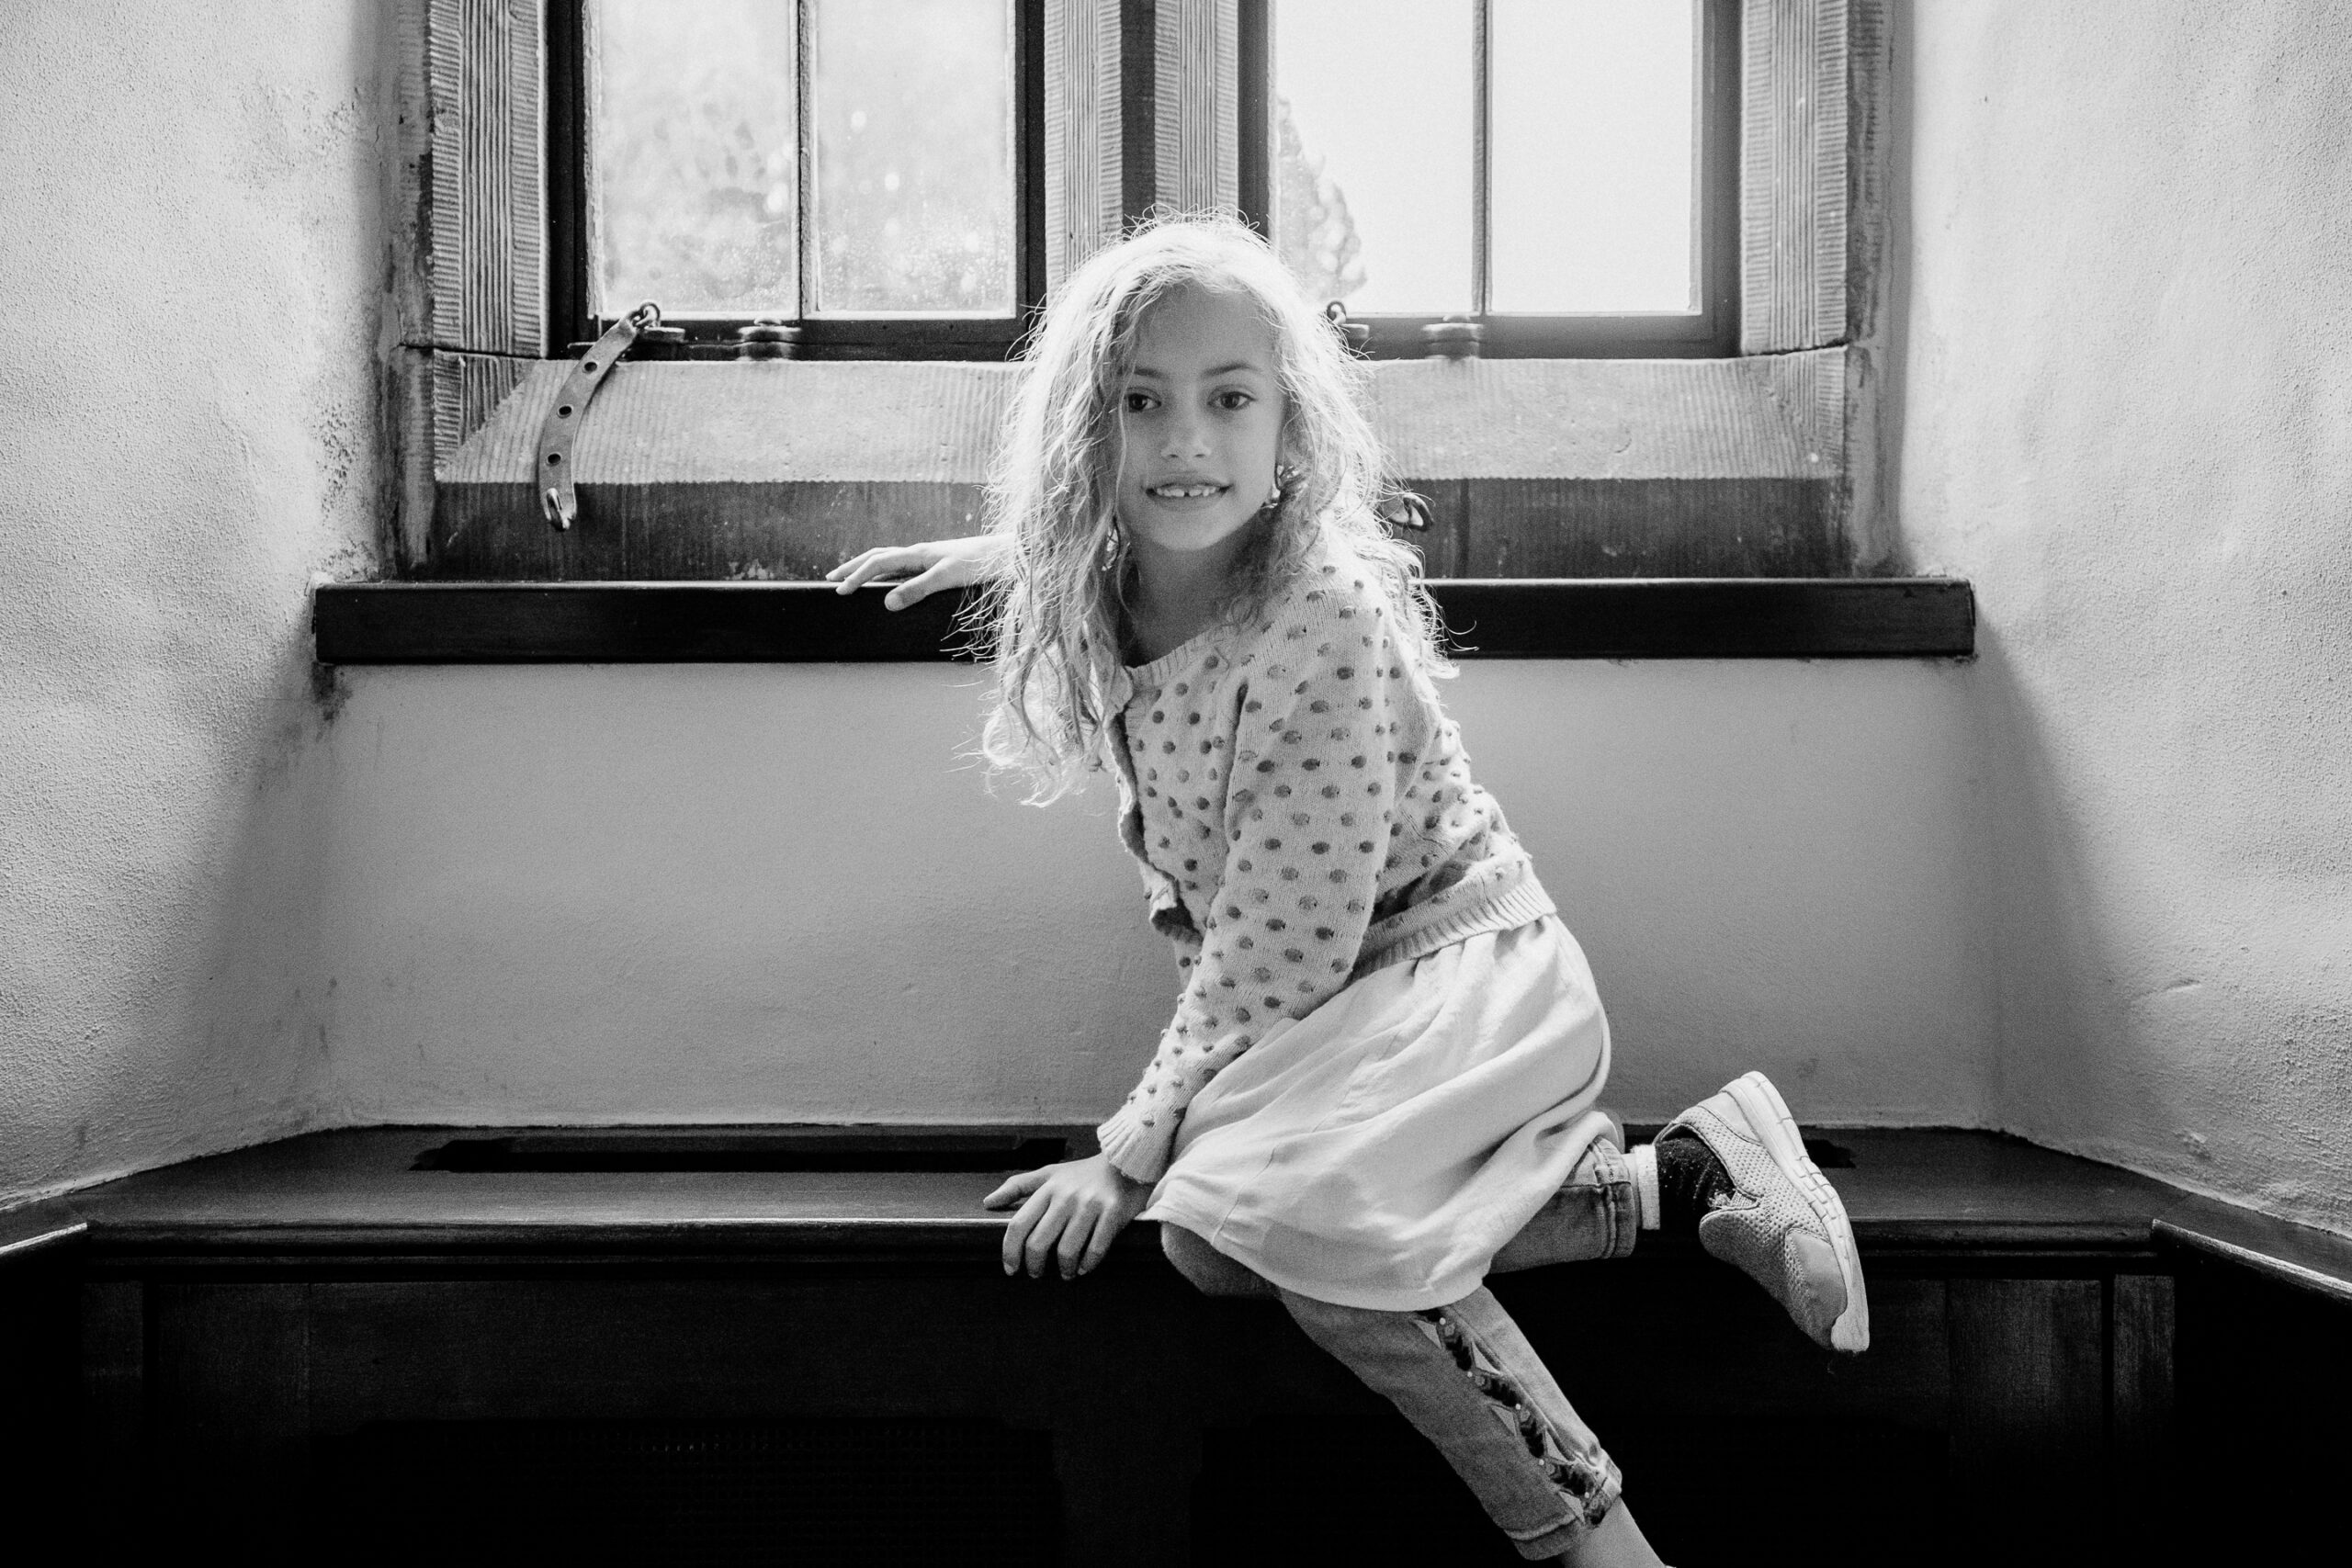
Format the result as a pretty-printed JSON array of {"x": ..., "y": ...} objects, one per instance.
[
  {"x": 912, "y": 104},
  {"x": 1593, "y": 106},
  {"x": 1372, "y": 151},
  {"x": 693, "y": 157}
]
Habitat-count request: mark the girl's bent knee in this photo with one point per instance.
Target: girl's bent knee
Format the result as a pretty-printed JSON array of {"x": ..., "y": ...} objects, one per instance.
[{"x": 1211, "y": 1272}]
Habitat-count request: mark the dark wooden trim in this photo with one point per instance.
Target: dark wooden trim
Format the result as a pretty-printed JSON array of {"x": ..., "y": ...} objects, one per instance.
[
  {"x": 1253, "y": 112},
  {"x": 1710, "y": 617},
  {"x": 2316, "y": 1262},
  {"x": 38, "y": 1230},
  {"x": 1030, "y": 279},
  {"x": 1138, "y": 110},
  {"x": 658, "y": 623},
  {"x": 566, "y": 103}
]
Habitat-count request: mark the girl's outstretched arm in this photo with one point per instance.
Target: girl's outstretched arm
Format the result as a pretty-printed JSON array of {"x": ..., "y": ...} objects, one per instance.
[
  {"x": 1073, "y": 1212},
  {"x": 928, "y": 568}
]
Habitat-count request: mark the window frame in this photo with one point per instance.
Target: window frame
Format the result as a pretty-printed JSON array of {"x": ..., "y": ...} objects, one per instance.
[
  {"x": 1709, "y": 333},
  {"x": 1682, "y": 458},
  {"x": 571, "y": 326}
]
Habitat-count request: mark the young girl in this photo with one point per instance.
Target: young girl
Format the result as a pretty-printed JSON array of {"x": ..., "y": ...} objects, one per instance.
[{"x": 1380, "y": 1082}]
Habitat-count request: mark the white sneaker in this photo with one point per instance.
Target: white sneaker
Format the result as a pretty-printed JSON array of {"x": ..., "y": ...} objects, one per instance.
[{"x": 1782, "y": 1224}]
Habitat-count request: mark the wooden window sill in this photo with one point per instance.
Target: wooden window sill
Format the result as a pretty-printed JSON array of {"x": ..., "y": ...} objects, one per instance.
[{"x": 753, "y": 623}]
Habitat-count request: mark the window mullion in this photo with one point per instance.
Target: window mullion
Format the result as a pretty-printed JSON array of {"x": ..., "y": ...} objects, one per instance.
[
  {"x": 804, "y": 113},
  {"x": 1482, "y": 125}
]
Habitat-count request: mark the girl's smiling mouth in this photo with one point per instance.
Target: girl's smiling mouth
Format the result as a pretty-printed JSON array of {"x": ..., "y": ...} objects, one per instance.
[{"x": 1185, "y": 490}]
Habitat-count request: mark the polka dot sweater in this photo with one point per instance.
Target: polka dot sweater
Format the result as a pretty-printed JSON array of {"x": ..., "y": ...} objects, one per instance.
[{"x": 1305, "y": 814}]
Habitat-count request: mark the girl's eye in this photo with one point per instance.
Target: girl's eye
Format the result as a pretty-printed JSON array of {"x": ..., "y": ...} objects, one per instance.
[
  {"x": 1230, "y": 400},
  {"x": 1138, "y": 402}
]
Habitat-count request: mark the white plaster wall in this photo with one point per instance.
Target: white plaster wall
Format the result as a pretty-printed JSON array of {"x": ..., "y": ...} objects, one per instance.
[
  {"x": 190, "y": 258},
  {"x": 702, "y": 893},
  {"x": 2095, "y": 887},
  {"x": 2126, "y": 414}
]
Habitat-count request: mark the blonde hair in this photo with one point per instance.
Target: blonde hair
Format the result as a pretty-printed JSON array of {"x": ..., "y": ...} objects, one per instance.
[{"x": 1052, "y": 622}]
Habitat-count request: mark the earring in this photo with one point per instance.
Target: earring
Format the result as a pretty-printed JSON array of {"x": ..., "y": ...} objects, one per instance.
[
  {"x": 1285, "y": 476},
  {"x": 1112, "y": 544}
]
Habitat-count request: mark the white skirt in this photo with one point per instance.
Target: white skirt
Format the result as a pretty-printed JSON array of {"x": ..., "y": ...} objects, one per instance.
[{"x": 1377, "y": 1152}]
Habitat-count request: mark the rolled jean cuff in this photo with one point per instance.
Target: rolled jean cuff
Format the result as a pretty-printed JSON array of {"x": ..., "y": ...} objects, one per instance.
[{"x": 1595, "y": 1215}]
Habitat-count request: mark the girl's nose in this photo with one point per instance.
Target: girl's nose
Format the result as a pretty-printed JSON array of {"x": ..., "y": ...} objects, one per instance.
[{"x": 1186, "y": 436}]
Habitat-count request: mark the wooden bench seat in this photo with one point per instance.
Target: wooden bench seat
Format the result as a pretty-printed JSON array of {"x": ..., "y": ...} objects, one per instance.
[{"x": 316, "y": 1328}]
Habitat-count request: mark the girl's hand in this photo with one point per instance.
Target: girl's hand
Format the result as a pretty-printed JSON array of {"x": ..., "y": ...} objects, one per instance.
[
  {"x": 928, "y": 568},
  {"x": 1073, "y": 1211}
]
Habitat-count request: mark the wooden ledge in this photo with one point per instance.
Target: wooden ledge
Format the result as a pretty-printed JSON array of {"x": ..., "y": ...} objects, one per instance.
[
  {"x": 2309, "y": 1259},
  {"x": 1922, "y": 1200},
  {"x": 39, "y": 1229},
  {"x": 664, "y": 623}
]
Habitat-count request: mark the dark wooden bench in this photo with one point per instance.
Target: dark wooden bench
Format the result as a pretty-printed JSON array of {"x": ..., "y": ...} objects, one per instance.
[{"x": 315, "y": 1340}]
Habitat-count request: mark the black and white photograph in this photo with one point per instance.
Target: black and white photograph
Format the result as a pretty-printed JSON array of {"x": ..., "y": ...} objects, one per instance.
[{"x": 1176, "y": 783}]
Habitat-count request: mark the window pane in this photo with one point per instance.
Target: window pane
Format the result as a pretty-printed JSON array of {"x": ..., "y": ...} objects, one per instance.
[
  {"x": 912, "y": 105},
  {"x": 1372, "y": 151},
  {"x": 693, "y": 142},
  {"x": 1592, "y": 107}
]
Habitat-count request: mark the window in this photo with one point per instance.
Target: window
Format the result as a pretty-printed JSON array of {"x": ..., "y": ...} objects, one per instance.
[
  {"x": 1598, "y": 437},
  {"x": 860, "y": 169},
  {"x": 1561, "y": 172}
]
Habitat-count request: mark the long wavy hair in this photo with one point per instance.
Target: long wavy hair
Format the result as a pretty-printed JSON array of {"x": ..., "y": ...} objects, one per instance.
[{"x": 1053, "y": 623}]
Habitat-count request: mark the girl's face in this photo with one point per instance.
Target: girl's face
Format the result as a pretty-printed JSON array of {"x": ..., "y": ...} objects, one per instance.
[{"x": 1200, "y": 420}]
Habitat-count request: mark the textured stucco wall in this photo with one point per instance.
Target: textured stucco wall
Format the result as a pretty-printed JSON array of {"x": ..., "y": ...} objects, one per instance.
[
  {"x": 190, "y": 255},
  {"x": 2126, "y": 414},
  {"x": 716, "y": 893},
  {"x": 2095, "y": 887}
]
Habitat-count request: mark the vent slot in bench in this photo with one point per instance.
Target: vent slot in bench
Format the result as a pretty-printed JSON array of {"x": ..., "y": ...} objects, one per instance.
[{"x": 746, "y": 1149}]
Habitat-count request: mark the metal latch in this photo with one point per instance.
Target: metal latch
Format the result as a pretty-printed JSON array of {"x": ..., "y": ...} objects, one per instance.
[{"x": 552, "y": 475}]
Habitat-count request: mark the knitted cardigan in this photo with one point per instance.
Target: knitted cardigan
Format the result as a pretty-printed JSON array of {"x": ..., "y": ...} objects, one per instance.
[{"x": 1303, "y": 815}]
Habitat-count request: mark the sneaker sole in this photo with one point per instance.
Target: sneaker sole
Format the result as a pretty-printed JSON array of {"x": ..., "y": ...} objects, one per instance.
[{"x": 1768, "y": 1113}]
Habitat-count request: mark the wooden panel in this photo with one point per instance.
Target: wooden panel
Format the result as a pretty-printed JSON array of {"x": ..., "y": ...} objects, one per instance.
[
  {"x": 1870, "y": 219},
  {"x": 1586, "y": 529},
  {"x": 40, "y": 1362},
  {"x": 1084, "y": 131},
  {"x": 746, "y": 423},
  {"x": 1444, "y": 545},
  {"x": 1682, "y": 468},
  {"x": 2265, "y": 1372},
  {"x": 1196, "y": 133},
  {"x": 2143, "y": 1431},
  {"x": 229, "y": 1414},
  {"x": 467, "y": 389},
  {"x": 1699, "y": 618},
  {"x": 798, "y": 530},
  {"x": 114, "y": 1415},
  {"x": 1781, "y": 417},
  {"x": 1792, "y": 181},
  {"x": 791, "y": 621},
  {"x": 793, "y": 531},
  {"x": 2302, "y": 1256},
  {"x": 483, "y": 77},
  {"x": 2029, "y": 1370},
  {"x": 1870, "y": 520}
]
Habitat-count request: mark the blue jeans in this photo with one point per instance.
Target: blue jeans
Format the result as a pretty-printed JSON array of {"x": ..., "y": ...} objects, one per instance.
[{"x": 1464, "y": 1374}]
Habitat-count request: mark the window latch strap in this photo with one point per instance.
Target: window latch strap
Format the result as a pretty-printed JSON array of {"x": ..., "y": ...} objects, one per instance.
[{"x": 560, "y": 431}]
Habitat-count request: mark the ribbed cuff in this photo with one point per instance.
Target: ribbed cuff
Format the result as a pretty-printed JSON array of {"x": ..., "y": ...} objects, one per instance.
[{"x": 1140, "y": 1151}]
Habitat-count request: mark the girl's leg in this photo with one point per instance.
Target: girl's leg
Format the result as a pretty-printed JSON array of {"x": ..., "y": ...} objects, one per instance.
[
  {"x": 1211, "y": 1272},
  {"x": 1466, "y": 1378},
  {"x": 1596, "y": 1213}
]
